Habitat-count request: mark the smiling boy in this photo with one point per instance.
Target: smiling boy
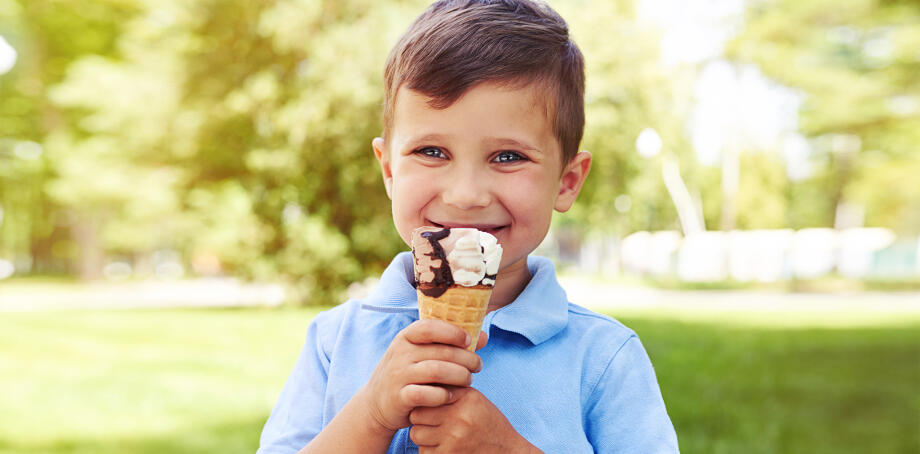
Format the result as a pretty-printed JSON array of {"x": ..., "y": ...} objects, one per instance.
[{"x": 483, "y": 116}]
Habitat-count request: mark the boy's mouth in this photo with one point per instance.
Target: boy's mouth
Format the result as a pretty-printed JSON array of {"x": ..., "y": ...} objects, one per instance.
[{"x": 491, "y": 229}]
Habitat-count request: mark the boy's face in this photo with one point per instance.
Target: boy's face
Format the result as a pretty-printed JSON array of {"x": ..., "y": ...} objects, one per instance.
[{"x": 488, "y": 161}]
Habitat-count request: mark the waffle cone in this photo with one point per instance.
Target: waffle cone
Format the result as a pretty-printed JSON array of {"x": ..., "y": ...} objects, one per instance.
[{"x": 461, "y": 306}]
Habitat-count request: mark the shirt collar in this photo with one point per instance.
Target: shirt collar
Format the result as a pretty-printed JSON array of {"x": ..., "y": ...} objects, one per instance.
[
  {"x": 394, "y": 292},
  {"x": 538, "y": 313}
]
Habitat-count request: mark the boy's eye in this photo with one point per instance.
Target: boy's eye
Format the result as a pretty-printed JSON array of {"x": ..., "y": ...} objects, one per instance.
[
  {"x": 506, "y": 157},
  {"x": 431, "y": 152}
]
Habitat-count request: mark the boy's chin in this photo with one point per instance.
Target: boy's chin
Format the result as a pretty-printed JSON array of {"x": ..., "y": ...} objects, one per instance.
[{"x": 513, "y": 264}]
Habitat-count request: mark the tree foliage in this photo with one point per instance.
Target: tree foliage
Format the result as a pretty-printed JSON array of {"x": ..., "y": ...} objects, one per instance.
[
  {"x": 240, "y": 131},
  {"x": 857, "y": 64}
]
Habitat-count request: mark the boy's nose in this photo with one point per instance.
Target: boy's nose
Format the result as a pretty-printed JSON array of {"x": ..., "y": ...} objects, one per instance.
[{"x": 466, "y": 190}]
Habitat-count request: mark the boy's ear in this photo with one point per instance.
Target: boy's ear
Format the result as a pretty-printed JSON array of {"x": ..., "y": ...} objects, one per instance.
[
  {"x": 383, "y": 158},
  {"x": 573, "y": 176}
]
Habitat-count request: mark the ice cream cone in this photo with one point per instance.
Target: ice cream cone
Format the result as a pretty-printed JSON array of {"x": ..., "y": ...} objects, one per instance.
[
  {"x": 455, "y": 270},
  {"x": 462, "y": 306}
]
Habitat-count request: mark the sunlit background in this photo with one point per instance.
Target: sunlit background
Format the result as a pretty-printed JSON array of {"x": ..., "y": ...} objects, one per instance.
[{"x": 753, "y": 211}]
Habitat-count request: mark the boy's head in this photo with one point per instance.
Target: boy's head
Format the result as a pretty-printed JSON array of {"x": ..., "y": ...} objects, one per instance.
[
  {"x": 483, "y": 118},
  {"x": 457, "y": 44}
]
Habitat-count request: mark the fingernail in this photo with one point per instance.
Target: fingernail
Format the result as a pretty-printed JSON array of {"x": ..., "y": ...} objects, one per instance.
[{"x": 468, "y": 340}]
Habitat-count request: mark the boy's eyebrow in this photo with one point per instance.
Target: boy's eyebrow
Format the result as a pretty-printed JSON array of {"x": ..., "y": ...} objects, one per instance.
[
  {"x": 426, "y": 139},
  {"x": 508, "y": 142}
]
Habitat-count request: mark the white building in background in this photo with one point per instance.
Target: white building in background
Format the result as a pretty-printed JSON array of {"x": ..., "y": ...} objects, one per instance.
[
  {"x": 755, "y": 255},
  {"x": 814, "y": 252},
  {"x": 703, "y": 257},
  {"x": 634, "y": 252},
  {"x": 759, "y": 255},
  {"x": 858, "y": 248},
  {"x": 664, "y": 247}
]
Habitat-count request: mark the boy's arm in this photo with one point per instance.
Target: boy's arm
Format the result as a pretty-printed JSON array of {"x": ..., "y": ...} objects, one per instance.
[
  {"x": 626, "y": 412},
  {"x": 354, "y": 429}
]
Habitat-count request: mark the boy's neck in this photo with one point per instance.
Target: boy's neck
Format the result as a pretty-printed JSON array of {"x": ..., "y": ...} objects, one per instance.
[{"x": 509, "y": 283}]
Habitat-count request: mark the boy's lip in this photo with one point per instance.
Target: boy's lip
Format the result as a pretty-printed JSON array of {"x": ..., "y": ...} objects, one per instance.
[{"x": 488, "y": 228}]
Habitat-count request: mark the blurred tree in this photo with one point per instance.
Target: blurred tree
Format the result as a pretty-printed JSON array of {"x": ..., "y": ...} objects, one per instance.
[
  {"x": 252, "y": 120},
  {"x": 627, "y": 91},
  {"x": 49, "y": 36},
  {"x": 761, "y": 191},
  {"x": 858, "y": 66}
]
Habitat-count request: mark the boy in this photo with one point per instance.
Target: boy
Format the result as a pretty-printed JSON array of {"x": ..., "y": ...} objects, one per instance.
[{"x": 483, "y": 116}]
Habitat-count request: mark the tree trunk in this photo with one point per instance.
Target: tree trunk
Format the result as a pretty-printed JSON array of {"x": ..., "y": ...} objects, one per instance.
[
  {"x": 86, "y": 234},
  {"x": 731, "y": 170},
  {"x": 690, "y": 222}
]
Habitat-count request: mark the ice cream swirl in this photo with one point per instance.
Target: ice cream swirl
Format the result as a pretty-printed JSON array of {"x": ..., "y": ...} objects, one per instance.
[{"x": 472, "y": 256}]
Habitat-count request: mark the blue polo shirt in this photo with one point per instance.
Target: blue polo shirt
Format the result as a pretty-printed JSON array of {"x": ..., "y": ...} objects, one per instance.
[{"x": 569, "y": 380}]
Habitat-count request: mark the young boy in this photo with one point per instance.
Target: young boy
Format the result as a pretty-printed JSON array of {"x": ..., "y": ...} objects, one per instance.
[{"x": 483, "y": 116}]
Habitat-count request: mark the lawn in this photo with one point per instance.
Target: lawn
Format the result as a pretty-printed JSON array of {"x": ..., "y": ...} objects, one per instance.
[{"x": 181, "y": 381}]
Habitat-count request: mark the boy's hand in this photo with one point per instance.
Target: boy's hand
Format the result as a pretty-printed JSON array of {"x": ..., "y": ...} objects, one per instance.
[
  {"x": 424, "y": 355},
  {"x": 471, "y": 423}
]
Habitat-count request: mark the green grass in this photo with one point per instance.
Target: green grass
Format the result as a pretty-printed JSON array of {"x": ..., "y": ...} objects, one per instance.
[
  {"x": 177, "y": 381},
  {"x": 142, "y": 381},
  {"x": 733, "y": 390}
]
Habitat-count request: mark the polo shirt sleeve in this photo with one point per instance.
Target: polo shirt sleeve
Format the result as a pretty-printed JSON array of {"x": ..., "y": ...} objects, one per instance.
[
  {"x": 297, "y": 416},
  {"x": 626, "y": 413}
]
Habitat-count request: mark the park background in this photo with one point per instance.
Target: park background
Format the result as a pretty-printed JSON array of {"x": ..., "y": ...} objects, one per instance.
[{"x": 184, "y": 184}]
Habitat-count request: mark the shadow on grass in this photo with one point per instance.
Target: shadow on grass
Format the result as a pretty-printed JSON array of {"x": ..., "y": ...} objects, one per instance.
[
  {"x": 225, "y": 438},
  {"x": 731, "y": 389}
]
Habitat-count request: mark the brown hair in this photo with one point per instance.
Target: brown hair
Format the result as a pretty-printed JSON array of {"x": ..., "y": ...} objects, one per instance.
[{"x": 457, "y": 44}]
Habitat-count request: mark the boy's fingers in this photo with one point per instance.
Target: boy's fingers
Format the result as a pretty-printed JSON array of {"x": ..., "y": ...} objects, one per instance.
[
  {"x": 436, "y": 331},
  {"x": 451, "y": 354},
  {"x": 440, "y": 372},
  {"x": 427, "y": 416},
  {"x": 424, "y": 395},
  {"x": 435, "y": 416},
  {"x": 424, "y": 436},
  {"x": 483, "y": 340}
]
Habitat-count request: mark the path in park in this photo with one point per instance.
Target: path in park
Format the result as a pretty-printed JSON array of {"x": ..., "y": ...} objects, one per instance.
[
  {"x": 772, "y": 308},
  {"x": 763, "y": 307},
  {"x": 27, "y": 296}
]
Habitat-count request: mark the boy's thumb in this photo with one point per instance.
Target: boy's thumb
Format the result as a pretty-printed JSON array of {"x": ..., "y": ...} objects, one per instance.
[{"x": 483, "y": 340}]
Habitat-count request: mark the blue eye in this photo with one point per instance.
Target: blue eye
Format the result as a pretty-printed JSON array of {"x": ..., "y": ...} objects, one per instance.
[
  {"x": 507, "y": 157},
  {"x": 431, "y": 152}
]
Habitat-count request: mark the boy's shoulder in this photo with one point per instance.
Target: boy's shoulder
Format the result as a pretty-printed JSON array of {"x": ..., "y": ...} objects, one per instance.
[
  {"x": 589, "y": 316},
  {"x": 336, "y": 314},
  {"x": 602, "y": 331},
  {"x": 329, "y": 323},
  {"x": 583, "y": 316}
]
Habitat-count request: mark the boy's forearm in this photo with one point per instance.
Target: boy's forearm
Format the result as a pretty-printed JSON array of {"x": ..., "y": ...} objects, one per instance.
[{"x": 352, "y": 430}]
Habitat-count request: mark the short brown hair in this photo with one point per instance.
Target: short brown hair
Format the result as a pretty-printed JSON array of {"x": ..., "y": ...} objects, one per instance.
[{"x": 456, "y": 44}]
